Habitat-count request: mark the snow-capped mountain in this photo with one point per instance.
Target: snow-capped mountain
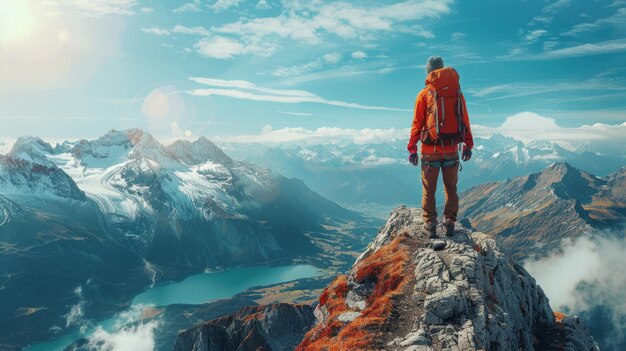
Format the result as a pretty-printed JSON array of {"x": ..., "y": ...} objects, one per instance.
[{"x": 162, "y": 196}]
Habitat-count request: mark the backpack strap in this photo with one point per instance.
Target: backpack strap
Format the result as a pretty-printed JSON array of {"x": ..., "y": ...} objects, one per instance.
[
  {"x": 443, "y": 110},
  {"x": 435, "y": 97}
]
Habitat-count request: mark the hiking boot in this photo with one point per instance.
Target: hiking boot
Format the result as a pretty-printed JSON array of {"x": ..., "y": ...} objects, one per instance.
[
  {"x": 449, "y": 228},
  {"x": 430, "y": 230}
]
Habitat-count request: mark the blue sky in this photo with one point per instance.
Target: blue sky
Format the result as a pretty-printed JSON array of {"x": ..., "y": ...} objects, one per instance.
[{"x": 73, "y": 68}]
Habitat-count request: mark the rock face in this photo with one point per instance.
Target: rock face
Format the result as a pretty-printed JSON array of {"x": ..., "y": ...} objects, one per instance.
[
  {"x": 271, "y": 327},
  {"x": 402, "y": 294}
]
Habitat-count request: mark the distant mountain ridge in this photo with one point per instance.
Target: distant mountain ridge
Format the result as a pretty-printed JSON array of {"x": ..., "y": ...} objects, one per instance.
[{"x": 378, "y": 173}]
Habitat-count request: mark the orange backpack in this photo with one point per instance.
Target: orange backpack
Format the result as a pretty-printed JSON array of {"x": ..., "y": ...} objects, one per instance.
[{"x": 444, "y": 115}]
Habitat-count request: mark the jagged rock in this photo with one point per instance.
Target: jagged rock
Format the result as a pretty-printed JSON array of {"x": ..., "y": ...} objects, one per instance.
[
  {"x": 255, "y": 328},
  {"x": 468, "y": 295},
  {"x": 439, "y": 244},
  {"x": 348, "y": 316}
]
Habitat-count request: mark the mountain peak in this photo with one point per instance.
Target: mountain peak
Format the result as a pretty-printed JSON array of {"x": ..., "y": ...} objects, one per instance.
[
  {"x": 198, "y": 151},
  {"x": 132, "y": 136},
  {"x": 32, "y": 149},
  {"x": 568, "y": 182},
  {"x": 406, "y": 292}
]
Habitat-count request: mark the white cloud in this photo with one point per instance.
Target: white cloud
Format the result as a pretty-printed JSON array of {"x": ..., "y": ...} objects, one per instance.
[
  {"x": 194, "y": 6},
  {"x": 146, "y": 10},
  {"x": 525, "y": 126},
  {"x": 343, "y": 71},
  {"x": 131, "y": 338},
  {"x": 76, "y": 313},
  {"x": 584, "y": 275},
  {"x": 332, "y": 57},
  {"x": 324, "y": 135},
  {"x": 588, "y": 49},
  {"x": 295, "y": 113},
  {"x": 535, "y": 34},
  {"x": 529, "y": 126},
  {"x": 516, "y": 90},
  {"x": 97, "y": 8},
  {"x": 156, "y": 31},
  {"x": 307, "y": 68},
  {"x": 528, "y": 121},
  {"x": 297, "y": 70},
  {"x": 309, "y": 22},
  {"x": 218, "y": 47},
  {"x": 617, "y": 21},
  {"x": 249, "y": 91},
  {"x": 191, "y": 30},
  {"x": 221, "y": 5},
  {"x": 178, "y": 29},
  {"x": 359, "y": 55},
  {"x": 605, "y": 47},
  {"x": 262, "y": 5},
  {"x": 556, "y": 6}
]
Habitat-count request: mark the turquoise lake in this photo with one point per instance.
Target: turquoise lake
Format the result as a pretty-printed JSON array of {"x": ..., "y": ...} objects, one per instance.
[{"x": 195, "y": 289}]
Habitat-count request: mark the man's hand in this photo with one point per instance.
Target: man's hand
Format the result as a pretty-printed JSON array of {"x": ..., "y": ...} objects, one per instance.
[
  {"x": 413, "y": 159},
  {"x": 467, "y": 154}
]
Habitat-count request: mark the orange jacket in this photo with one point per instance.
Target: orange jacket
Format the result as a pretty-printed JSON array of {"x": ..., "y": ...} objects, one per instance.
[{"x": 419, "y": 120}]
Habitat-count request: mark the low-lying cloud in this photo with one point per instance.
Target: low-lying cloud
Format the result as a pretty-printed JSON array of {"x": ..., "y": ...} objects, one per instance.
[
  {"x": 131, "y": 338},
  {"x": 586, "y": 277},
  {"x": 529, "y": 126},
  {"x": 76, "y": 313},
  {"x": 129, "y": 332},
  {"x": 324, "y": 135}
]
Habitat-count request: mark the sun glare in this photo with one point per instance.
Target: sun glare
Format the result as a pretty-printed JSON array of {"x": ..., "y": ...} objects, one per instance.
[{"x": 16, "y": 20}]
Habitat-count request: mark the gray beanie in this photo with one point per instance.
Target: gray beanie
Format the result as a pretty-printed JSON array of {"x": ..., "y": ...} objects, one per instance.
[{"x": 433, "y": 63}]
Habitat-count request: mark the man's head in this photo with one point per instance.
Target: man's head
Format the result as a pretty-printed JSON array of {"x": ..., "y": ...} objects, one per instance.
[{"x": 433, "y": 63}]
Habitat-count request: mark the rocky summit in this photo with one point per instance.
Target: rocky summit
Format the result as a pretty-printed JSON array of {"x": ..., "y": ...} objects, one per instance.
[{"x": 461, "y": 293}]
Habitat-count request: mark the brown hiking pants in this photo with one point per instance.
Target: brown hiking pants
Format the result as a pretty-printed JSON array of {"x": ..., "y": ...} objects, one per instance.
[{"x": 450, "y": 176}]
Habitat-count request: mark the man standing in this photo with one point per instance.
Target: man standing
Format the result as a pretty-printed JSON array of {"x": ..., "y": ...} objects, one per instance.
[{"x": 441, "y": 123}]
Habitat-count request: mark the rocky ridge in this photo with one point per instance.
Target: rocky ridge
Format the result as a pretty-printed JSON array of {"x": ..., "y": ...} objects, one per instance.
[
  {"x": 530, "y": 215},
  {"x": 462, "y": 293}
]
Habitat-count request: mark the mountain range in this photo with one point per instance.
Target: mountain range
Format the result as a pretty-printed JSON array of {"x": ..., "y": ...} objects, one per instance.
[
  {"x": 84, "y": 225},
  {"x": 364, "y": 176}
]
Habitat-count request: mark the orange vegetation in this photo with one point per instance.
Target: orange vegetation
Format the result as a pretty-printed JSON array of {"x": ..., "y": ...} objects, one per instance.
[
  {"x": 559, "y": 316},
  {"x": 389, "y": 270}
]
